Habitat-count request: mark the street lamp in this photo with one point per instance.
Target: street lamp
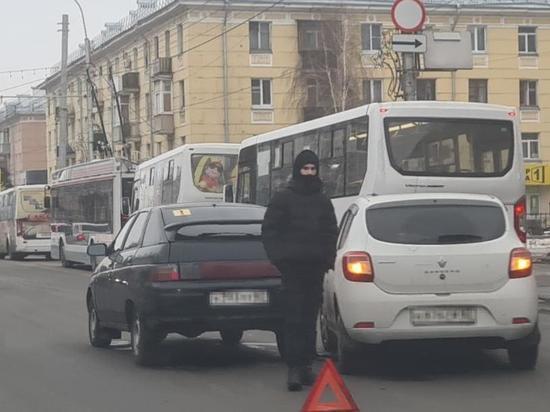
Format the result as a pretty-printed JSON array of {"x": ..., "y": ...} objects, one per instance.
[{"x": 88, "y": 51}]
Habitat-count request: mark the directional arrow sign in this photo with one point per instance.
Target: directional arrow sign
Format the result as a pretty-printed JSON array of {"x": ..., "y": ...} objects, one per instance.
[{"x": 409, "y": 43}]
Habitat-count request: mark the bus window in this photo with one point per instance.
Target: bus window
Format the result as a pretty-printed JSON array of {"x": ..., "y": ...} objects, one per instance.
[
  {"x": 325, "y": 144},
  {"x": 288, "y": 157},
  {"x": 332, "y": 166},
  {"x": 212, "y": 171},
  {"x": 245, "y": 184},
  {"x": 262, "y": 177},
  {"x": 151, "y": 176},
  {"x": 306, "y": 142},
  {"x": 450, "y": 147},
  {"x": 356, "y": 157}
]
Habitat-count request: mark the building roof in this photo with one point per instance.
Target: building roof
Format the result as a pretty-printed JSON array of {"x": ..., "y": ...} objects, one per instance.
[
  {"x": 23, "y": 105},
  {"x": 148, "y": 9}
]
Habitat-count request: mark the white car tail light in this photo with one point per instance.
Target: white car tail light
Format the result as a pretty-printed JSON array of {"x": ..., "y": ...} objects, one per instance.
[
  {"x": 521, "y": 264},
  {"x": 358, "y": 267}
]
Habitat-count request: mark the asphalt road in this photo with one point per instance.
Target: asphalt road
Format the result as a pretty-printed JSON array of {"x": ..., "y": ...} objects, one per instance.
[{"x": 46, "y": 364}]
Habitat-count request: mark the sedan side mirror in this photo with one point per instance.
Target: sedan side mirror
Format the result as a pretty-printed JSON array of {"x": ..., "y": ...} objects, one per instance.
[{"x": 97, "y": 250}]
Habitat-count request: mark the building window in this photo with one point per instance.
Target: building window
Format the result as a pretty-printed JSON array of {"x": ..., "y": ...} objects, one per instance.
[
  {"x": 136, "y": 58},
  {"x": 156, "y": 47},
  {"x": 182, "y": 94},
  {"x": 425, "y": 89},
  {"x": 477, "y": 90},
  {"x": 479, "y": 38},
  {"x": 167, "y": 43},
  {"x": 527, "y": 39},
  {"x": 311, "y": 39},
  {"x": 312, "y": 93},
  {"x": 372, "y": 91},
  {"x": 261, "y": 92},
  {"x": 260, "y": 36},
  {"x": 146, "y": 54},
  {"x": 528, "y": 93},
  {"x": 530, "y": 145},
  {"x": 162, "y": 97},
  {"x": 159, "y": 148},
  {"x": 180, "y": 38},
  {"x": 147, "y": 105},
  {"x": 371, "y": 35},
  {"x": 124, "y": 103},
  {"x": 534, "y": 204}
]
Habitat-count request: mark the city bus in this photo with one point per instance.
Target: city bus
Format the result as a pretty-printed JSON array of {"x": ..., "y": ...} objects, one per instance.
[
  {"x": 90, "y": 202},
  {"x": 189, "y": 173},
  {"x": 24, "y": 228},
  {"x": 397, "y": 147}
]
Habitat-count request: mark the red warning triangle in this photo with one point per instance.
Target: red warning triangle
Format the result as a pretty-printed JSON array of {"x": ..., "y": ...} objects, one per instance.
[{"x": 329, "y": 377}]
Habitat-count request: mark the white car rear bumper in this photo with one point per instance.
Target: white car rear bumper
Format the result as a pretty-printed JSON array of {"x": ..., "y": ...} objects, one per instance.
[{"x": 365, "y": 302}]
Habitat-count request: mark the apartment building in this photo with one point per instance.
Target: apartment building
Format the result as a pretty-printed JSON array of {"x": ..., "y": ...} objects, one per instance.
[
  {"x": 195, "y": 71},
  {"x": 23, "y": 142}
]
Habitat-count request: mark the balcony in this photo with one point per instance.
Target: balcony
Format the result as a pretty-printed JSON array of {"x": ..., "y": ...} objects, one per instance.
[
  {"x": 163, "y": 123},
  {"x": 4, "y": 148},
  {"x": 162, "y": 67},
  {"x": 128, "y": 131},
  {"x": 130, "y": 83},
  {"x": 311, "y": 113}
]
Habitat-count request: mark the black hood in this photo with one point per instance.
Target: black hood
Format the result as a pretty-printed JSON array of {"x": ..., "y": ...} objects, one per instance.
[
  {"x": 305, "y": 157},
  {"x": 305, "y": 184}
]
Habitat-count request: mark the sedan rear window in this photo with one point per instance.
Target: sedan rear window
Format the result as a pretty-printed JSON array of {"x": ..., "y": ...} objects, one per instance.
[{"x": 435, "y": 224}]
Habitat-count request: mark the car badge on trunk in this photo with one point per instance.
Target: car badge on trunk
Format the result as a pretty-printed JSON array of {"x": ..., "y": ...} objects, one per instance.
[{"x": 442, "y": 262}]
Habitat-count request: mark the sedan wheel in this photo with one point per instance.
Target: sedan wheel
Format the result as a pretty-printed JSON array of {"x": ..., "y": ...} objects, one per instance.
[
  {"x": 99, "y": 336},
  {"x": 143, "y": 341},
  {"x": 64, "y": 262}
]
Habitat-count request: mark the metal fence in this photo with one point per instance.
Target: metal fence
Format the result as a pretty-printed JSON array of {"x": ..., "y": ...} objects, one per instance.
[{"x": 538, "y": 223}]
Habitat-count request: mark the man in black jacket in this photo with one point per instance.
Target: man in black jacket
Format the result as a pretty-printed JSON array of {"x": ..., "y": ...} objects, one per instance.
[{"x": 299, "y": 234}]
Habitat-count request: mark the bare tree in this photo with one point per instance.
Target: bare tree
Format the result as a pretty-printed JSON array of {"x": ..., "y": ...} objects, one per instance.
[{"x": 328, "y": 77}]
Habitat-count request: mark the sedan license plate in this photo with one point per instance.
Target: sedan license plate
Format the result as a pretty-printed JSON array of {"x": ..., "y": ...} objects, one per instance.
[
  {"x": 438, "y": 315},
  {"x": 239, "y": 298}
]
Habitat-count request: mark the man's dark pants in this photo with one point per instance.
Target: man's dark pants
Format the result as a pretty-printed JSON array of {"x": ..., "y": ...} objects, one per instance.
[{"x": 302, "y": 292}]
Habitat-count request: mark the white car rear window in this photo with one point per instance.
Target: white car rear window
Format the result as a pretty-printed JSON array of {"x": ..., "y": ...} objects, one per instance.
[{"x": 435, "y": 224}]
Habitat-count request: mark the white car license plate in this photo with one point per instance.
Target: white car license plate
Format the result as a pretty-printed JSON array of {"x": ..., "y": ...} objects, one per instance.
[
  {"x": 443, "y": 315},
  {"x": 239, "y": 297}
]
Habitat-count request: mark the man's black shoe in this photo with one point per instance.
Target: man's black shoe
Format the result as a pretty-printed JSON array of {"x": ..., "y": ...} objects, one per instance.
[
  {"x": 294, "y": 382},
  {"x": 307, "y": 377}
]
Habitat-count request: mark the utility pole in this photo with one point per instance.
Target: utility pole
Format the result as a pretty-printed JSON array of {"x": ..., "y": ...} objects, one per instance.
[
  {"x": 63, "y": 123},
  {"x": 89, "y": 100},
  {"x": 225, "y": 77},
  {"x": 409, "y": 76}
]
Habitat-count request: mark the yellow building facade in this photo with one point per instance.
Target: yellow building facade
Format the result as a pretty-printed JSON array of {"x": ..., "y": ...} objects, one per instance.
[{"x": 179, "y": 79}]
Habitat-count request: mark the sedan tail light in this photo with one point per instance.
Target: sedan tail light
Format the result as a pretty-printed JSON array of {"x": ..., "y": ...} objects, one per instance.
[
  {"x": 521, "y": 264},
  {"x": 358, "y": 267},
  {"x": 165, "y": 274},
  {"x": 519, "y": 219}
]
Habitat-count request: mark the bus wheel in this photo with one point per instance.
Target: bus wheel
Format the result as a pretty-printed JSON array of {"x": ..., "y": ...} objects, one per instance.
[{"x": 64, "y": 262}]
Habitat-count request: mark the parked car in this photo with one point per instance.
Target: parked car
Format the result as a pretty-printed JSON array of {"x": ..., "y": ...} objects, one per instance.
[
  {"x": 186, "y": 269},
  {"x": 430, "y": 268}
]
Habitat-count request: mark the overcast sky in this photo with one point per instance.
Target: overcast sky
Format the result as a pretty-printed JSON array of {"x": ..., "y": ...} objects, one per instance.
[{"x": 29, "y": 36}]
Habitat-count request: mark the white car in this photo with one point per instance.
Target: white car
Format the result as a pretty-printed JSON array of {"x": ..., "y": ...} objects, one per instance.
[{"x": 440, "y": 267}]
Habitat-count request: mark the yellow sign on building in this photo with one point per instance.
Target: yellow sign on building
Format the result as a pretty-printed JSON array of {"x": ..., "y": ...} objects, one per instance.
[{"x": 537, "y": 174}]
